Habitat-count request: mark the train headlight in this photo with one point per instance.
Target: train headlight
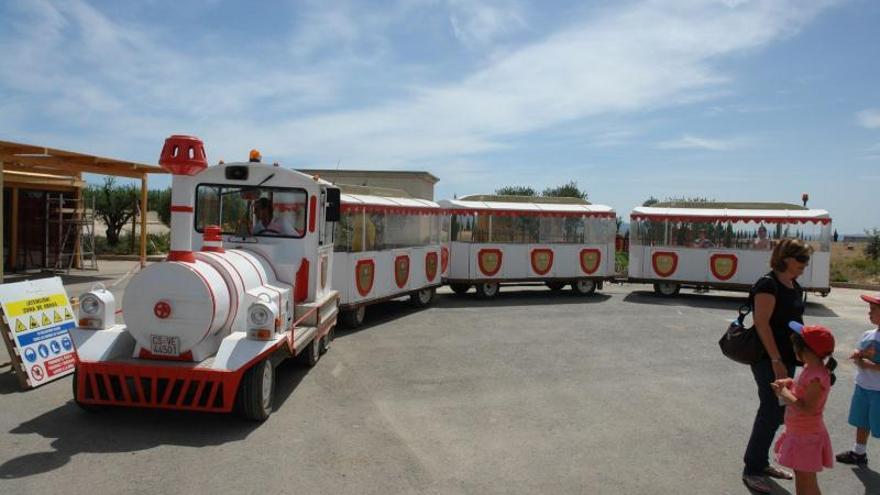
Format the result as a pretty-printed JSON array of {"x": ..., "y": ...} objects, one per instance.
[
  {"x": 262, "y": 320},
  {"x": 89, "y": 305},
  {"x": 97, "y": 309},
  {"x": 259, "y": 315}
]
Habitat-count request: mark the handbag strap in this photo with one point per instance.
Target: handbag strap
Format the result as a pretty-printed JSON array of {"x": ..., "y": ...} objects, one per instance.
[{"x": 749, "y": 306}]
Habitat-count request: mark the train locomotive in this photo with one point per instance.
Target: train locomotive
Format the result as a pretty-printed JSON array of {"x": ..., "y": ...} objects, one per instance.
[{"x": 246, "y": 285}]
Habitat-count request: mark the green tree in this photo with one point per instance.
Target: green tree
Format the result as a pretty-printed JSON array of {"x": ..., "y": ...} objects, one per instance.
[
  {"x": 114, "y": 204},
  {"x": 515, "y": 191},
  {"x": 872, "y": 249},
  {"x": 159, "y": 200},
  {"x": 651, "y": 201},
  {"x": 569, "y": 190}
]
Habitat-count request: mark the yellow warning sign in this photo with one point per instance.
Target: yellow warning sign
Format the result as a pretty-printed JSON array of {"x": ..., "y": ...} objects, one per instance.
[
  {"x": 19, "y": 326},
  {"x": 67, "y": 315},
  {"x": 34, "y": 322},
  {"x": 57, "y": 318},
  {"x": 46, "y": 320},
  {"x": 25, "y": 306}
]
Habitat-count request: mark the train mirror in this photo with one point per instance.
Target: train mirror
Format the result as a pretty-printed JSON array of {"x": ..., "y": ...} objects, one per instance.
[{"x": 333, "y": 205}]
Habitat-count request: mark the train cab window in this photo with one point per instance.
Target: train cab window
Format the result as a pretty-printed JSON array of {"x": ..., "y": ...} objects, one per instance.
[{"x": 252, "y": 211}]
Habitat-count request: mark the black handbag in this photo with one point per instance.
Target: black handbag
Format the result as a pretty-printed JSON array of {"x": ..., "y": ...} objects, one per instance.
[{"x": 740, "y": 343}]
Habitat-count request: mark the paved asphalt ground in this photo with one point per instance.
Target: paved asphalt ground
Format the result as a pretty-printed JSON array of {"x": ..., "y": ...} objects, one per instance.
[{"x": 535, "y": 392}]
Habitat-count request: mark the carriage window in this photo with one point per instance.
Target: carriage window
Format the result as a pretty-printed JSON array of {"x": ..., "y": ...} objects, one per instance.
[
  {"x": 345, "y": 232},
  {"x": 252, "y": 211}
]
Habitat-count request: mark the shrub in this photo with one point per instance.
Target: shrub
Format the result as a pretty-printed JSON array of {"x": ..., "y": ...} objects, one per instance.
[{"x": 872, "y": 249}]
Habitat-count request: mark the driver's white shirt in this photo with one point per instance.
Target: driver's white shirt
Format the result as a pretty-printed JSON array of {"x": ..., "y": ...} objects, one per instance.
[{"x": 275, "y": 227}]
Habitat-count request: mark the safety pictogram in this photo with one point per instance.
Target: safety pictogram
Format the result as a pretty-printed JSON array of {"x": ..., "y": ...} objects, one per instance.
[
  {"x": 33, "y": 322},
  {"x": 19, "y": 326},
  {"x": 57, "y": 318},
  {"x": 37, "y": 372},
  {"x": 67, "y": 315},
  {"x": 46, "y": 320}
]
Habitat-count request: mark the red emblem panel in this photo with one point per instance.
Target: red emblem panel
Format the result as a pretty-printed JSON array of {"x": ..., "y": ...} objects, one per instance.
[
  {"x": 590, "y": 260},
  {"x": 664, "y": 262},
  {"x": 723, "y": 266},
  {"x": 431, "y": 266},
  {"x": 364, "y": 273},
  {"x": 542, "y": 260},
  {"x": 489, "y": 261}
]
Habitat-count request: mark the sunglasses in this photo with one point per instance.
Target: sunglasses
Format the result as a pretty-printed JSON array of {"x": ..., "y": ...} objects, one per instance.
[{"x": 802, "y": 258}]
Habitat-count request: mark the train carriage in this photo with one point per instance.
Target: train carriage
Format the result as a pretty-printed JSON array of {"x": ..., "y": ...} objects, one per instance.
[
  {"x": 387, "y": 246},
  {"x": 723, "y": 245},
  {"x": 496, "y": 240},
  {"x": 244, "y": 287}
]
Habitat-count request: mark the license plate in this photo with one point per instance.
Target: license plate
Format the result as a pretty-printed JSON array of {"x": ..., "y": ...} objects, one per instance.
[{"x": 165, "y": 345}]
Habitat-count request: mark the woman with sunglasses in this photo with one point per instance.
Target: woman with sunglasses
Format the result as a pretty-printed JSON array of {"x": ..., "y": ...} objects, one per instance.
[{"x": 778, "y": 299}]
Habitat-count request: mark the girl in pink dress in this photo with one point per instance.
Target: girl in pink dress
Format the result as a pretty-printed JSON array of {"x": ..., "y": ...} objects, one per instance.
[{"x": 804, "y": 445}]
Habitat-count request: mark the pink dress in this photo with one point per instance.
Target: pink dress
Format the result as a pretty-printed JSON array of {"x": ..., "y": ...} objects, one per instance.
[{"x": 804, "y": 444}]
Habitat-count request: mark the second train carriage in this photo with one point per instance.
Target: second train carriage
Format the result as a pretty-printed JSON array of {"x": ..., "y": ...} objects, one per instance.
[
  {"x": 387, "y": 246},
  {"x": 496, "y": 240},
  {"x": 723, "y": 245}
]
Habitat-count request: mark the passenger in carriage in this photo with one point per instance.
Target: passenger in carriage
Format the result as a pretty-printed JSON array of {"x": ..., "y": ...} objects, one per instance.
[
  {"x": 703, "y": 241},
  {"x": 762, "y": 242}
]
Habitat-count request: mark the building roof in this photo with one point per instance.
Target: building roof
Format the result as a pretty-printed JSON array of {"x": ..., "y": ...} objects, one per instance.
[
  {"x": 466, "y": 206},
  {"x": 718, "y": 205},
  {"x": 19, "y": 157},
  {"x": 704, "y": 214},
  {"x": 373, "y": 173},
  {"x": 550, "y": 200}
]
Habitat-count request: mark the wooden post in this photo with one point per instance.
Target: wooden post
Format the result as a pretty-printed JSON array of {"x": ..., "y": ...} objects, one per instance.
[
  {"x": 143, "y": 220},
  {"x": 13, "y": 242},
  {"x": 2, "y": 261}
]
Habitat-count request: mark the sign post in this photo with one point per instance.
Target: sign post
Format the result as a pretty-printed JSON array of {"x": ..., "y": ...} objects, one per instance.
[{"x": 37, "y": 316}]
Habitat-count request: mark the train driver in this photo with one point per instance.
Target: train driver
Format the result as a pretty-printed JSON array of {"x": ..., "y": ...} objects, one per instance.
[{"x": 267, "y": 223}]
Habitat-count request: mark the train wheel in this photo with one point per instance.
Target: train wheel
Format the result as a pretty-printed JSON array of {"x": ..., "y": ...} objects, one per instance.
[
  {"x": 555, "y": 286},
  {"x": 667, "y": 289},
  {"x": 584, "y": 286},
  {"x": 459, "y": 289},
  {"x": 312, "y": 354},
  {"x": 325, "y": 341},
  {"x": 422, "y": 298},
  {"x": 257, "y": 391},
  {"x": 84, "y": 407},
  {"x": 353, "y": 318},
  {"x": 487, "y": 290}
]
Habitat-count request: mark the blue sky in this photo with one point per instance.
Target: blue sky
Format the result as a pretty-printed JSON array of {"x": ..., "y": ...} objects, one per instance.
[{"x": 727, "y": 99}]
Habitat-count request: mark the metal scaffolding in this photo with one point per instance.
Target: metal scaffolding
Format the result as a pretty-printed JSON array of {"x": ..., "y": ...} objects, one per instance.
[{"x": 74, "y": 233}]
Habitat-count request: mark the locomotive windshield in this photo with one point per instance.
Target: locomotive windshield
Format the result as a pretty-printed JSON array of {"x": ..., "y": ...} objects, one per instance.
[{"x": 252, "y": 211}]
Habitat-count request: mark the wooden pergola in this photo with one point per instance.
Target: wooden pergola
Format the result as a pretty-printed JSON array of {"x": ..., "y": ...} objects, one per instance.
[{"x": 54, "y": 167}]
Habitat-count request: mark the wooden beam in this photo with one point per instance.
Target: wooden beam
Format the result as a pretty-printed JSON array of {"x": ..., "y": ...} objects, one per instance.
[
  {"x": 2, "y": 221},
  {"x": 13, "y": 241},
  {"x": 52, "y": 164},
  {"x": 143, "y": 220}
]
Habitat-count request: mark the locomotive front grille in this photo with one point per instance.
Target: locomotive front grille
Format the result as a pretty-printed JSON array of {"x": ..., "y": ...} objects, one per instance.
[{"x": 156, "y": 387}]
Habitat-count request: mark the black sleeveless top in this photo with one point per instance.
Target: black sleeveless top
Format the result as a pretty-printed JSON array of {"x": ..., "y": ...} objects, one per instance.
[{"x": 789, "y": 307}]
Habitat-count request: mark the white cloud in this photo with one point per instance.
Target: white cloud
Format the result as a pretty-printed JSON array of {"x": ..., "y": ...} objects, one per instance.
[
  {"x": 869, "y": 118},
  {"x": 689, "y": 142},
  {"x": 102, "y": 75},
  {"x": 478, "y": 24}
]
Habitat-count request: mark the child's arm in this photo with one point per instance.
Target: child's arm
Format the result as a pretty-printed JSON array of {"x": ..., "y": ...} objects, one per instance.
[
  {"x": 808, "y": 402},
  {"x": 867, "y": 364}
]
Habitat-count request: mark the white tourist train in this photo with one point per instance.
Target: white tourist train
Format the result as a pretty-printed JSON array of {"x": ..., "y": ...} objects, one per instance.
[
  {"x": 723, "y": 245},
  {"x": 264, "y": 258},
  {"x": 387, "y": 245},
  {"x": 245, "y": 285},
  {"x": 496, "y": 240}
]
